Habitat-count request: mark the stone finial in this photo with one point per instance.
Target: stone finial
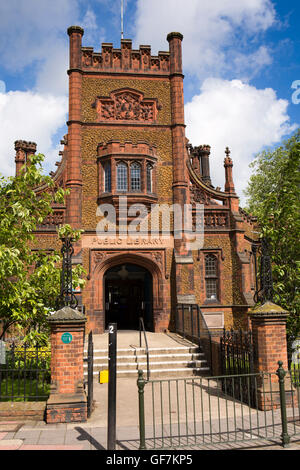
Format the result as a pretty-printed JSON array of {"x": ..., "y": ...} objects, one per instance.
[
  {"x": 227, "y": 160},
  {"x": 228, "y": 164}
]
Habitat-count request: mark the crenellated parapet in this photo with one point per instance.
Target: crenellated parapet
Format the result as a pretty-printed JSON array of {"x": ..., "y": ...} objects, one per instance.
[
  {"x": 115, "y": 147},
  {"x": 125, "y": 59}
]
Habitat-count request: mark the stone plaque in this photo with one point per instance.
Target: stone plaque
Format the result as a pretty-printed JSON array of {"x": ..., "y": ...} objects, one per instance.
[{"x": 214, "y": 319}]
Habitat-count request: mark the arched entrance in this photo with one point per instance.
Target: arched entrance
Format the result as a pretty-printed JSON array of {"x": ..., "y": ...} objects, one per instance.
[{"x": 128, "y": 292}]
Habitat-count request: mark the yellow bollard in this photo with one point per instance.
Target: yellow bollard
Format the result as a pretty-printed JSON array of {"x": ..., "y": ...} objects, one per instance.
[{"x": 103, "y": 376}]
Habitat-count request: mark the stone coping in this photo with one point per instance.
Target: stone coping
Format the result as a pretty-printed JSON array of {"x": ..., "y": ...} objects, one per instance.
[
  {"x": 268, "y": 309},
  {"x": 67, "y": 315}
]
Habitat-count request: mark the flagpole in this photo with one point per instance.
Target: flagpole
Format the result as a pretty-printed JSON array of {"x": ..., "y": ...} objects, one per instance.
[{"x": 122, "y": 19}]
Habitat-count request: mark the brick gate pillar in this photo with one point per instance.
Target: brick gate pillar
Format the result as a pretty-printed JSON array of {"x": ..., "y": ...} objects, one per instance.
[
  {"x": 67, "y": 401},
  {"x": 270, "y": 346}
]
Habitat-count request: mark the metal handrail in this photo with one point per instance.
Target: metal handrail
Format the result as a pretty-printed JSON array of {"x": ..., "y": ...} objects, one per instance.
[
  {"x": 142, "y": 328},
  {"x": 198, "y": 330}
]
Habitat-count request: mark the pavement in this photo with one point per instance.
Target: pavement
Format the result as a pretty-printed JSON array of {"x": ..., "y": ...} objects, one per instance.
[{"x": 223, "y": 424}]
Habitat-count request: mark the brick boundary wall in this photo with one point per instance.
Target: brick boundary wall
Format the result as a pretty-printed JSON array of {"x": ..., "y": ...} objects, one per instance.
[{"x": 28, "y": 411}]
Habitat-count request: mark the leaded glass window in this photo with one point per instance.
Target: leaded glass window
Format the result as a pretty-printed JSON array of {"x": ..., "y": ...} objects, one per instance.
[
  {"x": 149, "y": 178},
  {"x": 122, "y": 183},
  {"x": 135, "y": 177},
  {"x": 211, "y": 277},
  {"x": 107, "y": 178}
]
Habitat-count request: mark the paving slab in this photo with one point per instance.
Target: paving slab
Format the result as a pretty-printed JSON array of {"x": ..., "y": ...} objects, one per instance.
[
  {"x": 28, "y": 437},
  {"x": 10, "y": 444},
  {"x": 51, "y": 447},
  {"x": 54, "y": 437},
  {"x": 10, "y": 427}
]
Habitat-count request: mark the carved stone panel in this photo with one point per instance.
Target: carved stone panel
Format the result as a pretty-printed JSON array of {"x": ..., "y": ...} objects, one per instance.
[{"x": 126, "y": 105}]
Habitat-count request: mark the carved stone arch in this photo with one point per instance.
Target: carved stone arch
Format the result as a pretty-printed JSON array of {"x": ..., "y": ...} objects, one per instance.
[{"x": 110, "y": 260}]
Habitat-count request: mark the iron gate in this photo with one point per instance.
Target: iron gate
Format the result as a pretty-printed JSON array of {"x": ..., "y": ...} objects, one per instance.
[
  {"x": 196, "y": 412},
  {"x": 237, "y": 358}
]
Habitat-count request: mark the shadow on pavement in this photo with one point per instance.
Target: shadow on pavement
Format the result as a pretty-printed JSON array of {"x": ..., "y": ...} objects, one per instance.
[{"x": 85, "y": 436}]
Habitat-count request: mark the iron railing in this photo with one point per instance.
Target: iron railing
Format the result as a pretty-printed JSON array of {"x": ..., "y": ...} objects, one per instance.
[
  {"x": 142, "y": 330},
  {"x": 190, "y": 324},
  {"x": 24, "y": 373},
  {"x": 199, "y": 412},
  {"x": 237, "y": 357},
  {"x": 89, "y": 383}
]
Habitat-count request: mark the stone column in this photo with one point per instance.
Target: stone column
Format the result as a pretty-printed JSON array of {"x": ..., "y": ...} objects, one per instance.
[
  {"x": 67, "y": 402},
  {"x": 183, "y": 256},
  {"x": 270, "y": 346},
  {"x": 74, "y": 175},
  {"x": 180, "y": 177}
]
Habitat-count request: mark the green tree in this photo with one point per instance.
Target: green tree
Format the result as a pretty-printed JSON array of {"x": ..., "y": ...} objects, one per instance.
[
  {"x": 274, "y": 197},
  {"x": 29, "y": 279}
]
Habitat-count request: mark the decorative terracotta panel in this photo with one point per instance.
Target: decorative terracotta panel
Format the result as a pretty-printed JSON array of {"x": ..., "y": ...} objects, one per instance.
[{"x": 127, "y": 105}]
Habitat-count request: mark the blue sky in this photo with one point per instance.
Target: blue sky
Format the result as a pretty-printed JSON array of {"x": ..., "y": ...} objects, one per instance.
[{"x": 241, "y": 58}]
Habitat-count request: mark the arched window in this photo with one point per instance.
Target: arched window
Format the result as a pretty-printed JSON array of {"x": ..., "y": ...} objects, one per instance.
[
  {"x": 135, "y": 177},
  {"x": 149, "y": 178},
  {"x": 211, "y": 277},
  {"x": 107, "y": 178},
  {"x": 122, "y": 184}
]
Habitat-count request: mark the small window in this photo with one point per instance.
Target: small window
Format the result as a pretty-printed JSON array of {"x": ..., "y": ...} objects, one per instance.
[
  {"x": 211, "y": 277},
  {"x": 122, "y": 184},
  {"x": 135, "y": 177},
  {"x": 149, "y": 178},
  {"x": 107, "y": 178}
]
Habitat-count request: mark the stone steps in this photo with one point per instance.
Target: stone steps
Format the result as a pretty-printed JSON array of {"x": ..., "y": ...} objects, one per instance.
[{"x": 182, "y": 361}]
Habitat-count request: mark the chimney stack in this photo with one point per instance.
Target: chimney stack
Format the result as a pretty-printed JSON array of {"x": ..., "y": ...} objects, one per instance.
[{"x": 23, "y": 150}]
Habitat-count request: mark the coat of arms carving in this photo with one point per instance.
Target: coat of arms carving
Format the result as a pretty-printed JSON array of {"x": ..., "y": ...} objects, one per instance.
[{"x": 127, "y": 105}]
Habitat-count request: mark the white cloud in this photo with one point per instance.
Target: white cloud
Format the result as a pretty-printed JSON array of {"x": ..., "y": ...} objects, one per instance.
[
  {"x": 33, "y": 33},
  {"x": 93, "y": 34},
  {"x": 237, "y": 115},
  {"x": 215, "y": 32},
  {"x": 52, "y": 74},
  {"x": 28, "y": 28},
  {"x": 33, "y": 117},
  {"x": 33, "y": 37}
]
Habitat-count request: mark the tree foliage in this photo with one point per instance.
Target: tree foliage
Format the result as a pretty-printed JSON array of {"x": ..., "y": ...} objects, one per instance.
[
  {"x": 29, "y": 279},
  {"x": 274, "y": 197}
]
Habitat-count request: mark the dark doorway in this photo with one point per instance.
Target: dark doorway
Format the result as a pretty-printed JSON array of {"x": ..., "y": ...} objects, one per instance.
[{"x": 128, "y": 296}]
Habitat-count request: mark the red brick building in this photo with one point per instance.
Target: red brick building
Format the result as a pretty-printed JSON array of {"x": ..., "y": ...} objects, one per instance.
[{"x": 126, "y": 137}]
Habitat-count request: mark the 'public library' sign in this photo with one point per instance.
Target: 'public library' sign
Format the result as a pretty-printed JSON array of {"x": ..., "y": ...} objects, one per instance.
[{"x": 127, "y": 242}]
